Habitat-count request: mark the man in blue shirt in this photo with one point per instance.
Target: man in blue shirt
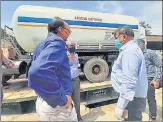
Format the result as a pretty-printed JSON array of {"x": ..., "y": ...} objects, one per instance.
[
  {"x": 73, "y": 59},
  {"x": 128, "y": 76},
  {"x": 50, "y": 77}
]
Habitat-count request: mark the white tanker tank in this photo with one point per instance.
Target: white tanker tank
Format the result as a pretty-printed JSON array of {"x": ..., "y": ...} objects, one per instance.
[{"x": 30, "y": 25}]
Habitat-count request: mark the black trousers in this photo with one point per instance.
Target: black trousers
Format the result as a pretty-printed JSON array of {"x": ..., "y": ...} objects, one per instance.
[
  {"x": 1, "y": 95},
  {"x": 76, "y": 96},
  {"x": 152, "y": 101},
  {"x": 135, "y": 109}
]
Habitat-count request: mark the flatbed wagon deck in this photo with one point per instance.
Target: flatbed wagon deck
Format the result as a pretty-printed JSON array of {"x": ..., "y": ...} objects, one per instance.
[
  {"x": 18, "y": 91},
  {"x": 17, "y": 94}
]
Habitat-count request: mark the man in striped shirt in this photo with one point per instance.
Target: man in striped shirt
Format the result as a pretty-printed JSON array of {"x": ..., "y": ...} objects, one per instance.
[{"x": 154, "y": 74}]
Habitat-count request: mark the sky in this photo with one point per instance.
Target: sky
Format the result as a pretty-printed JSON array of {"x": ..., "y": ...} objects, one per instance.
[{"x": 148, "y": 11}]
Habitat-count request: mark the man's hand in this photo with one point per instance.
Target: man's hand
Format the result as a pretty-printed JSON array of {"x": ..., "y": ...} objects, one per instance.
[
  {"x": 155, "y": 84},
  {"x": 119, "y": 113},
  {"x": 71, "y": 57},
  {"x": 69, "y": 101}
]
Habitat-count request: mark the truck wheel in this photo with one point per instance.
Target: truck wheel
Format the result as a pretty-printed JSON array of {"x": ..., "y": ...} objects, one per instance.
[{"x": 96, "y": 70}]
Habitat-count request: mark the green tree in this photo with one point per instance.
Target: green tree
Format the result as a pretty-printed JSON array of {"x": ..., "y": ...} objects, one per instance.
[{"x": 146, "y": 26}]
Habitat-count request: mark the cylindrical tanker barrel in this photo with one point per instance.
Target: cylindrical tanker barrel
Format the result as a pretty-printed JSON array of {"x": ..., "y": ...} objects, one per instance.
[
  {"x": 30, "y": 25},
  {"x": 20, "y": 67}
]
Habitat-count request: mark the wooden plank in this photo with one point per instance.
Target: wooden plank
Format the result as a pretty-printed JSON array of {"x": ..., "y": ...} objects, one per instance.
[
  {"x": 18, "y": 90},
  {"x": 25, "y": 94},
  {"x": 155, "y": 38},
  {"x": 21, "y": 117},
  {"x": 87, "y": 86}
]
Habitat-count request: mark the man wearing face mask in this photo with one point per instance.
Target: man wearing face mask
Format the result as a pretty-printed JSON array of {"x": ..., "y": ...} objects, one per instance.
[
  {"x": 154, "y": 74},
  {"x": 73, "y": 60},
  {"x": 128, "y": 76},
  {"x": 50, "y": 77}
]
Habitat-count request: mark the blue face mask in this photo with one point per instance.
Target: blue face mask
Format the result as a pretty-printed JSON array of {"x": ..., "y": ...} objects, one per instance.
[
  {"x": 118, "y": 44},
  {"x": 72, "y": 49}
]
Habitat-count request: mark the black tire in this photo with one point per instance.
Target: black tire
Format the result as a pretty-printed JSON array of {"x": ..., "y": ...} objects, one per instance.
[
  {"x": 110, "y": 67},
  {"x": 82, "y": 67},
  {"x": 96, "y": 70}
]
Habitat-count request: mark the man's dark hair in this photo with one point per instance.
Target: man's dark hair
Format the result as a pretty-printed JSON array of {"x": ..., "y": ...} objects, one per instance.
[
  {"x": 126, "y": 30},
  {"x": 54, "y": 25}
]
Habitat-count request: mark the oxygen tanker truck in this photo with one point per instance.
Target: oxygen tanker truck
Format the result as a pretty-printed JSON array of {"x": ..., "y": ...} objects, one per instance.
[{"x": 93, "y": 33}]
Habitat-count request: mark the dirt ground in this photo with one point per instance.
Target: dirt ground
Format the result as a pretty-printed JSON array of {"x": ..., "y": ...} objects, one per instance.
[{"x": 103, "y": 113}]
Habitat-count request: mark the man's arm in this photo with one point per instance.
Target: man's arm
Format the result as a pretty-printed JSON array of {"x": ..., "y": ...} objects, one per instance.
[
  {"x": 43, "y": 74},
  {"x": 156, "y": 60},
  {"x": 71, "y": 61},
  {"x": 74, "y": 60},
  {"x": 130, "y": 67}
]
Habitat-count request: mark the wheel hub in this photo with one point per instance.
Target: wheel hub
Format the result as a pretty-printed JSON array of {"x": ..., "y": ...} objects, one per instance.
[{"x": 96, "y": 69}]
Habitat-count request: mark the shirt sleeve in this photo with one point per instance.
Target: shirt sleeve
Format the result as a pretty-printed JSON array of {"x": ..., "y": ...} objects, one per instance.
[
  {"x": 75, "y": 61},
  {"x": 43, "y": 74},
  {"x": 156, "y": 60},
  {"x": 130, "y": 67},
  {"x": 71, "y": 62}
]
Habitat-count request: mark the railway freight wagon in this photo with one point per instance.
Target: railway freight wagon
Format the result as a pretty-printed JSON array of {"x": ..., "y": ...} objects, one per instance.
[{"x": 93, "y": 33}]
